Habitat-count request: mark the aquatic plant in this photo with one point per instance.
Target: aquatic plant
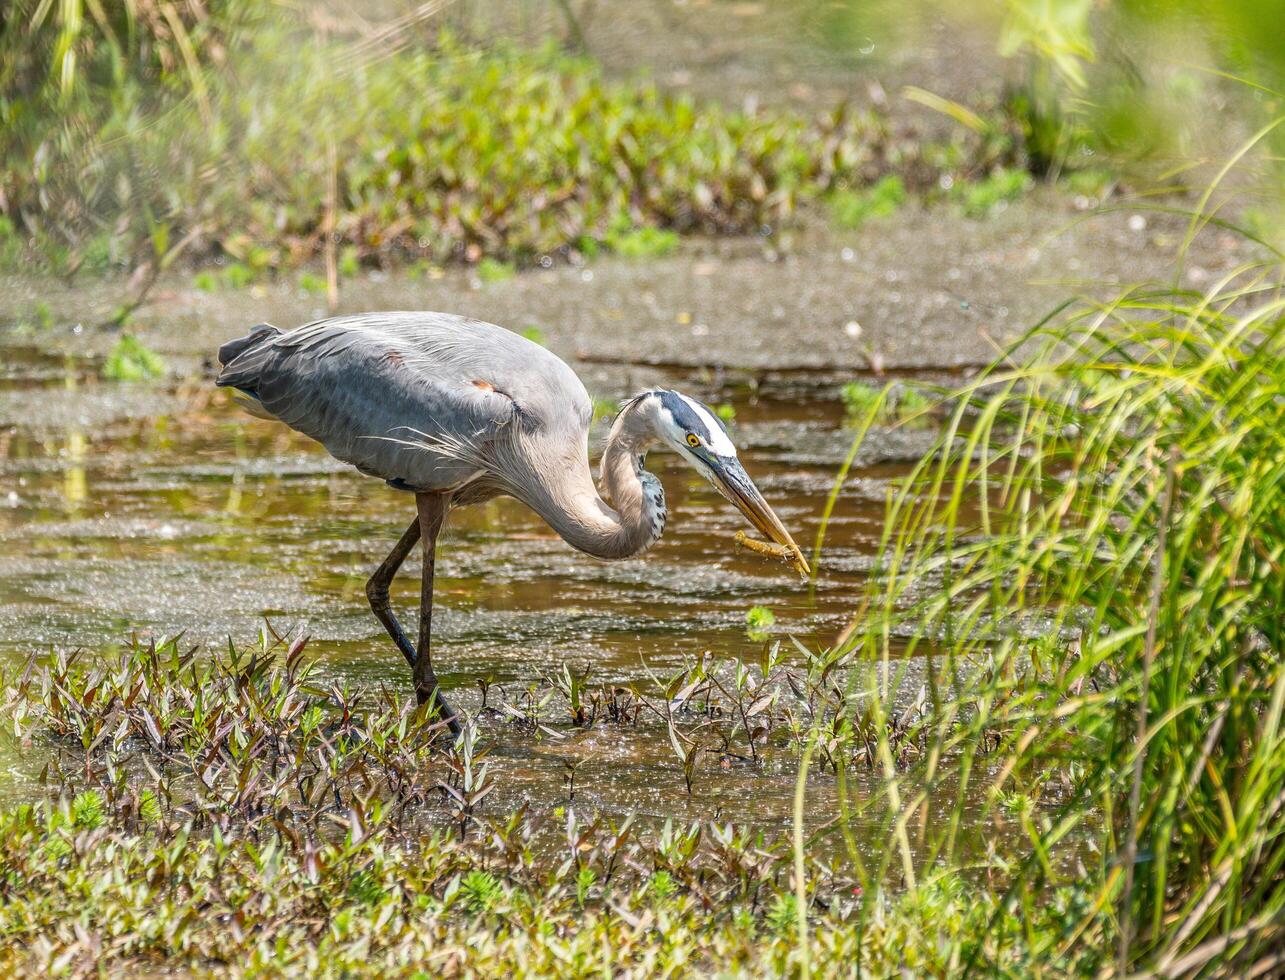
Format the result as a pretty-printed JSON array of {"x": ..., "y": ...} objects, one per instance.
[
  {"x": 639, "y": 243},
  {"x": 359, "y": 902},
  {"x": 758, "y": 620},
  {"x": 131, "y": 360},
  {"x": 312, "y": 283},
  {"x": 979, "y": 198},
  {"x": 247, "y": 733},
  {"x": 491, "y": 270},
  {"x": 860, "y": 398},
  {"x": 1092, "y": 551},
  {"x": 894, "y": 402},
  {"x": 853, "y": 208},
  {"x": 233, "y": 275},
  {"x": 209, "y": 811},
  {"x": 571, "y": 685}
]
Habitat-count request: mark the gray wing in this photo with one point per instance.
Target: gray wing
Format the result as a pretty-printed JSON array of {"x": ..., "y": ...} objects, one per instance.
[{"x": 427, "y": 401}]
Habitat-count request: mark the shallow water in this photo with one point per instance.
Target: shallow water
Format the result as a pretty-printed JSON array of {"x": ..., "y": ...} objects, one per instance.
[
  {"x": 165, "y": 507},
  {"x": 162, "y": 508}
]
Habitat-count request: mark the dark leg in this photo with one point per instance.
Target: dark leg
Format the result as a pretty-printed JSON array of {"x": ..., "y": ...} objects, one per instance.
[
  {"x": 377, "y": 591},
  {"x": 432, "y": 513}
]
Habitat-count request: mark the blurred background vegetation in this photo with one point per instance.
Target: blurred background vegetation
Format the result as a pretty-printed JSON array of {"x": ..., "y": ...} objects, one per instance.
[{"x": 135, "y": 132}]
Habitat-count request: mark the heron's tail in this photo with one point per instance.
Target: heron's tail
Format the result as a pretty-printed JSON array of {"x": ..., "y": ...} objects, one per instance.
[
  {"x": 233, "y": 349},
  {"x": 242, "y": 377}
]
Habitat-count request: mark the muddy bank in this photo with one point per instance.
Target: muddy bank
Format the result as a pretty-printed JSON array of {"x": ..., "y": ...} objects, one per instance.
[{"x": 923, "y": 288}]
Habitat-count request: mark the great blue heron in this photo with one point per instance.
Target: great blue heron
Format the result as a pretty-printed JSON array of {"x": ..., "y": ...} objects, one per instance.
[{"x": 458, "y": 411}]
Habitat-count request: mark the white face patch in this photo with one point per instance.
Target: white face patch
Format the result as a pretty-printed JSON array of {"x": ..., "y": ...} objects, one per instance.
[
  {"x": 717, "y": 440},
  {"x": 683, "y": 419}
]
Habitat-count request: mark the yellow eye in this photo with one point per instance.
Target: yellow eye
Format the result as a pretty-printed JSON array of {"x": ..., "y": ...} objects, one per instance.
[{"x": 693, "y": 439}]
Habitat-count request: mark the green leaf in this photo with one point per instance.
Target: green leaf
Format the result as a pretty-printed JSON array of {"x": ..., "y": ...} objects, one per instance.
[{"x": 130, "y": 360}]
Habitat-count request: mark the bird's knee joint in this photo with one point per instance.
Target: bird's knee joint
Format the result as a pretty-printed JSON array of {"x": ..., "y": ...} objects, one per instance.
[{"x": 377, "y": 592}]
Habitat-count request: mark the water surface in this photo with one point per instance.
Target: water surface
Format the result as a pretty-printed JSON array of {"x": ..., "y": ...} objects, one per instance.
[{"x": 162, "y": 508}]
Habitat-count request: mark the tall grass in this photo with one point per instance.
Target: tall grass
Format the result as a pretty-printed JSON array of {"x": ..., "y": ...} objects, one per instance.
[
  {"x": 1092, "y": 556},
  {"x": 78, "y": 76}
]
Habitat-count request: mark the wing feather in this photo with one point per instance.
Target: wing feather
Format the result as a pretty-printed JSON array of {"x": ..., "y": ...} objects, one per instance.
[{"x": 398, "y": 394}]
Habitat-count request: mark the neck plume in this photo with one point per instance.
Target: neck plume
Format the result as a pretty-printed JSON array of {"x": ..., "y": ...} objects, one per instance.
[{"x": 631, "y": 518}]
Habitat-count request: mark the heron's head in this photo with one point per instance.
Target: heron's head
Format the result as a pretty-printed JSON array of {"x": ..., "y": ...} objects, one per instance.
[{"x": 696, "y": 433}]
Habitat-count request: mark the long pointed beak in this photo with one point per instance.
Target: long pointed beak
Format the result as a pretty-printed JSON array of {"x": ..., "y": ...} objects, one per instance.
[{"x": 731, "y": 480}]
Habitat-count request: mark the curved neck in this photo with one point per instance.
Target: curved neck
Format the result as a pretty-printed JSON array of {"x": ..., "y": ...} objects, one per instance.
[{"x": 632, "y": 517}]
